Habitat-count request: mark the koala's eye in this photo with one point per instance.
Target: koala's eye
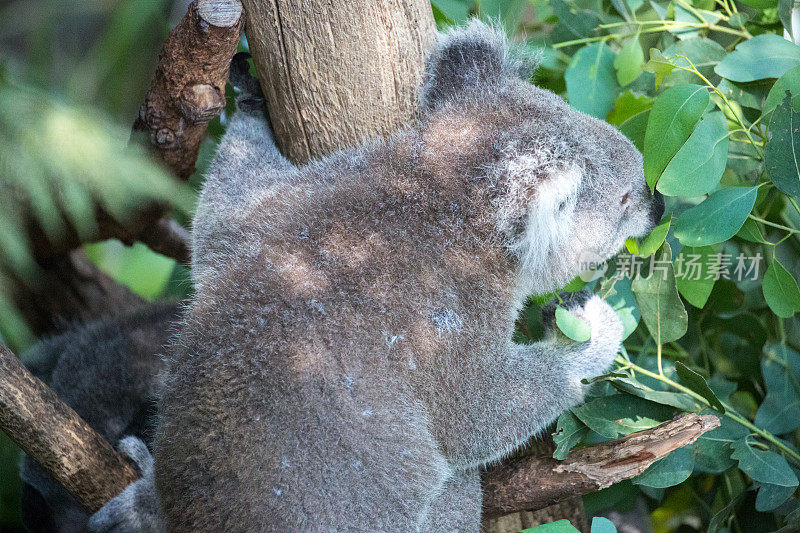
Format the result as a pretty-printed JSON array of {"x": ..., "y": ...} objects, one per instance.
[
  {"x": 562, "y": 205},
  {"x": 624, "y": 199}
]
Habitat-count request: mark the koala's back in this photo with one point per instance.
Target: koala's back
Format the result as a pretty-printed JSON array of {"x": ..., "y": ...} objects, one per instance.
[
  {"x": 108, "y": 371},
  {"x": 302, "y": 368}
]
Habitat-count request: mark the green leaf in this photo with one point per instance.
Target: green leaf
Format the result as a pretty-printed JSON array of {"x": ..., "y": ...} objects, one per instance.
[
  {"x": 634, "y": 128},
  {"x": 621, "y": 414},
  {"x": 694, "y": 276},
  {"x": 673, "y": 469},
  {"x": 572, "y": 326},
  {"x": 601, "y": 524},
  {"x": 778, "y": 414},
  {"x": 703, "y": 53},
  {"x": 763, "y": 466},
  {"x": 623, "y": 302},
  {"x": 780, "y": 290},
  {"x": 591, "y": 80},
  {"x": 655, "y": 238},
  {"x": 569, "y": 432},
  {"x": 684, "y": 15},
  {"x": 659, "y": 302},
  {"x": 717, "y": 218},
  {"x": 712, "y": 456},
  {"x": 671, "y": 122},
  {"x": 676, "y": 399},
  {"x": 699, "y": 164},
  {"x": 508, "y": 11},
  {"x": 455, "y": 10},
  {"x": 627, "y": 105},
  {"x": 659, "y": 65},
  {"x": 790, "y": 81},
  {"x": 629, "y": 61},
  {"x": 771, "y": 496},
  {"x": 561, "y": 526},
  {"x": 782, "y": 154},
  {"x": 718, "y": 520},
  {"x": 751, "y": 232},
  {"x": 763, "y": 56},
  {"x": 698, "y": 384}
]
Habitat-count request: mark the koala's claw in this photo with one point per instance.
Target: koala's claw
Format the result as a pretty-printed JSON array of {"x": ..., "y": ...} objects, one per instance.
[
  {"x": 249, "y": 98},
  {"x": 137, "y": 508}
]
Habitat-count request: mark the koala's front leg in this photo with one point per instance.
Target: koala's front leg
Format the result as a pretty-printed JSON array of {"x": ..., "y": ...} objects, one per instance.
[{"x": 526, "y": 387}]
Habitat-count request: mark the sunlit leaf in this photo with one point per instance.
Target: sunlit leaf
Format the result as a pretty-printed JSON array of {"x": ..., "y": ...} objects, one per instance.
[
  {"x": 717, "y": 218},
  {"x": 657, "y": 295},
  {"x": 591, "y": 80},
  {"x": 780, "y": 290},
  {"x": 763, "y": 56}
]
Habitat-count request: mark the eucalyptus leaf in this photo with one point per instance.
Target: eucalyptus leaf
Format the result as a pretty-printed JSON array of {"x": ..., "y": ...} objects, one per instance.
[
  {"x": 591, "y": 80},
  {"x": 653, "y": 241},
  {"x": 771, "y": 496},
  {"x": 569, "y": 432},
  {"x": 629, "y": 61},
  {"x": 672, "y": 120},
  {"x": 667, "y": 472},
  {"x": 782, "y": 154},
  {"x": 763, "y": 466},
  {"x": 572, "y": 326},
  {"x": 693, "y": 274},
  {"x": 676, "y": 399},
  {"x": 601, "y": 524},
  {"x": 657, "y": 295},
  {"x": 717, "y": 218},
  {"x": 621, "y": 414},
  {"x": 698, "y": 384},
  {"x": 780, "y": 290},
  {"x": 763, "y": 56},
  {"x": 790, "y": 81},
  {"x": 698, "y": 166}
]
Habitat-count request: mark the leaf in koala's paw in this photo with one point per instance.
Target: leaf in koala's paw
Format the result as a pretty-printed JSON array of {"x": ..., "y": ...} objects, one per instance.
[
  {"x": 781, "y": 158},
  {"x": 698, "y": 384},
  {"x": 780, "y": 290},
  {"x": 700, "y": 162},
  {"x": 717, "y": 218},
  {"x": 657, "y": 294},
  {"x": 591, "y": 80},
  {"x": 672, "y": 120},
  {"x": 561, "y": 526},
  {"x": 569, "y": 432},
  {"x": 601, "y": 524},
  {"x": 667, "y": 472},
  {"x": 572, "y": 326}
]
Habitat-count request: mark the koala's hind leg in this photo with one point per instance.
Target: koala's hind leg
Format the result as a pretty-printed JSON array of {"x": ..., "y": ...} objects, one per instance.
[
  {"x": 247, "y": 163},
  {"x": 458, "y": 507}
]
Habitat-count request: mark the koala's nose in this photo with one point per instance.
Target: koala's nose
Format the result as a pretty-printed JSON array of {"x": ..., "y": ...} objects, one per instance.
[{"x": 657, "y": 208}]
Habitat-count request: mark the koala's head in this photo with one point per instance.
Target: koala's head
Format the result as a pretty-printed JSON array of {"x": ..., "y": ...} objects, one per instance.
[{"x": 566, "y": 188}]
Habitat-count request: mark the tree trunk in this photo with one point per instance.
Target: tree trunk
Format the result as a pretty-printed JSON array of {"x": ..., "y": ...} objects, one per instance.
[{"x": 337, "y": 73}]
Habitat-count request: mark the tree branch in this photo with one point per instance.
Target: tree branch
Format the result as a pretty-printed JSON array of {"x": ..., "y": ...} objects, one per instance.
[
  {"x": 47, "y": 429},
  {"x": 531, "y": 483}
]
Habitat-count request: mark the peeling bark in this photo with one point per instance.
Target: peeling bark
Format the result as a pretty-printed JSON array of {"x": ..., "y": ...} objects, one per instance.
[{"x": 535, "y": 482}]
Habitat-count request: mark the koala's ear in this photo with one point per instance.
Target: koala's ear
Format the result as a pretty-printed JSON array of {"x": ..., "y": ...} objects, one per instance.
[
  {"x": 470, "y": 56},
  {"x": 557, "y": 192}
]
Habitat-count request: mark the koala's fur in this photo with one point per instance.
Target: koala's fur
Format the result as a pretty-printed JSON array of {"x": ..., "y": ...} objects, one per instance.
[
  {"x": 108, "y": 371},
  {"x": 346, "y": 363}
]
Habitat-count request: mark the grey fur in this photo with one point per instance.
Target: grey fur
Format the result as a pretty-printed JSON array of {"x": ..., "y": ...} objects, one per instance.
[
  {"x": 346, "y": 363},
  {"x": 109, "y": 372}
]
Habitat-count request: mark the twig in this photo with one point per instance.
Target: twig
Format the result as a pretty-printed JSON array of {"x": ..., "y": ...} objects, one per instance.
[
  {"x": 535, "y": 482},
  {"x": 62, "y": 442}
]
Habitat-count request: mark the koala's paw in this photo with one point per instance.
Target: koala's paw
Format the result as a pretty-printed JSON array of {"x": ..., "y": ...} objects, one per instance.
[
  {"x": 572, "y": 301},
  {"x": 249, "y": 98},
  {"x": 137, "y": 508},
  {"x": 606, "y": 330}
]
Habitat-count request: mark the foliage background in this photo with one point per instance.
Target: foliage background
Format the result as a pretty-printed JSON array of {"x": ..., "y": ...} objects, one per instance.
[{"x": 698, "y": 85}]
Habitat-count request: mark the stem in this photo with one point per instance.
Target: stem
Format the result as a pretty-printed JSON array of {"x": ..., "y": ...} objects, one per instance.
[
  {"x": 773, "y": 224},
  {"x": 729, "y": 411}
]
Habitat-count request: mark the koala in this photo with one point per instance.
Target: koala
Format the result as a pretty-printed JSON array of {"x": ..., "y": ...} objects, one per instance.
[
  {"x": 109, "y": 372},
  {"x": 346, "y": 362}
]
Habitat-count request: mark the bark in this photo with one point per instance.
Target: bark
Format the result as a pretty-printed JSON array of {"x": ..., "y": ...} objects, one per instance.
[
  {"x": 535, "y": 482},
  {"x": 337, "y": 73},
  {"x": 72, "y": 452}
]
